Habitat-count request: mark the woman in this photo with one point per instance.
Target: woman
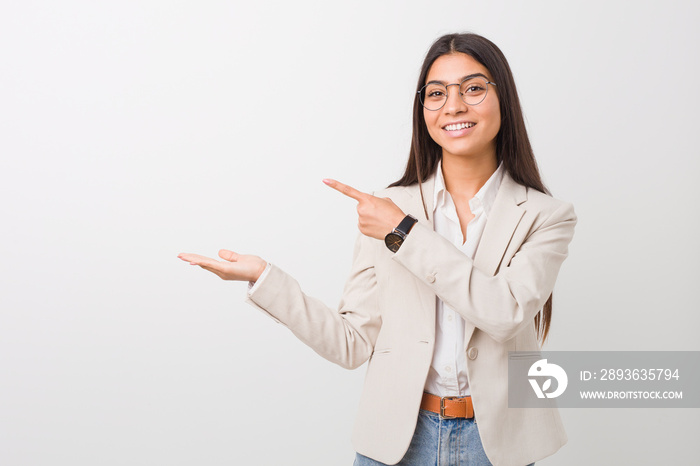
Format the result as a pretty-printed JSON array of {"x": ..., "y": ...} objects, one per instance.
[{"x": 453, "y": 268}]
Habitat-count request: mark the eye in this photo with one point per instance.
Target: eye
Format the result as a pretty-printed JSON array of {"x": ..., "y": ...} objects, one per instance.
[
  {"x": 434, "y": 92},
  {"x": 472, "y": 88}
]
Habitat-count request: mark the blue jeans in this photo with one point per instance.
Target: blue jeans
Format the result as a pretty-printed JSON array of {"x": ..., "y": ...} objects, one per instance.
[{"x": 440, "y": 442}]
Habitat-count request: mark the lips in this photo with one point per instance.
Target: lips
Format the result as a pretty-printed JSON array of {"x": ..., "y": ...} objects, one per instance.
[{"x": 459, "y": 126}]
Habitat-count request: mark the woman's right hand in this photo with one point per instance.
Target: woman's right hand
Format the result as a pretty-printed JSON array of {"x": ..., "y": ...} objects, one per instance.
[{"x": 233, "y": 267}]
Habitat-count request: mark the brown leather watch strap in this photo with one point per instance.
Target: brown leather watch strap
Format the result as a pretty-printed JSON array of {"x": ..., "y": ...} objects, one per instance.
[{"x": 448, "y": 407}]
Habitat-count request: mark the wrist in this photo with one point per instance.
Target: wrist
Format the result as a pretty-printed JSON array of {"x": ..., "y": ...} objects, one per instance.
[
  {"x": 261, "y": 268},
  {"x": 395, "y": 239}
]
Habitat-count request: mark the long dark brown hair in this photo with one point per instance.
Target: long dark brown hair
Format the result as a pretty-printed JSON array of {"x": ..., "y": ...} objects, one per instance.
[{"x": 513, "y": 146}]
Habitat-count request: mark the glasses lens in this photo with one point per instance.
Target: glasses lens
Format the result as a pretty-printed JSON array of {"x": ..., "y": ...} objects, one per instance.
[
  {"x": 433, "y": 96},
  {"x": 473, "y": 90}
]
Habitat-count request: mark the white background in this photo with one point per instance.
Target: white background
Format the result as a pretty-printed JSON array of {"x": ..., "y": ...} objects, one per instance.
[{"x": 132, "y": 131}]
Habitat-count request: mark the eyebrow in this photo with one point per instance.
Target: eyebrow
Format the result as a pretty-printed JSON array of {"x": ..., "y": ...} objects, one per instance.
[{"x": 473, "y": 75}]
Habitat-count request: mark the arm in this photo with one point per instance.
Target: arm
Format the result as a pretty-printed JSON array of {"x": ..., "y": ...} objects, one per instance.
[
  {"x": 500, "y": 305},
  {"x": 344, "y": 336}
]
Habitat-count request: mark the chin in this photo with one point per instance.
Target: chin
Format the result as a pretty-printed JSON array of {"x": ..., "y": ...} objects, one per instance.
[
  {"x": 468, "y": 150},
  {"x": 460, "y": 151}
]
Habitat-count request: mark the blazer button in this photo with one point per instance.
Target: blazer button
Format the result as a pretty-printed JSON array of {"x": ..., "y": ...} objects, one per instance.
[
  {"x": 430, "y": 278},
  {"x": 472, "y": 353}
]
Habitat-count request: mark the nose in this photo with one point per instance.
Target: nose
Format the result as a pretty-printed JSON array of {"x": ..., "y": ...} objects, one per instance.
[{"x": 454, "y": 103}]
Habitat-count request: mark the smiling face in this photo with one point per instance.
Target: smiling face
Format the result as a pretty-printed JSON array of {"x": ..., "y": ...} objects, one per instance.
[{"x": 465, "y": 131}]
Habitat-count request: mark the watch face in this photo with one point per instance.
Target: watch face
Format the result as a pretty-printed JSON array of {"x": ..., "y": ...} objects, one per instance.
[{"x": 393, "y": 241}]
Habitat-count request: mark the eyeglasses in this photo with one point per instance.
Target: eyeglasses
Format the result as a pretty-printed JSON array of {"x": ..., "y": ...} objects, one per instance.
[{"x": 472, "y": 89}]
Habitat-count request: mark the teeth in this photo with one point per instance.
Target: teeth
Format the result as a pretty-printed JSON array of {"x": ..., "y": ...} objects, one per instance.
[{"x": 459, "y": 126}]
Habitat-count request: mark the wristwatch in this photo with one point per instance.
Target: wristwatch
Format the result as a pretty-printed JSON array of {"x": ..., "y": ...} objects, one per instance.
[{"x": 394, "y": 240}]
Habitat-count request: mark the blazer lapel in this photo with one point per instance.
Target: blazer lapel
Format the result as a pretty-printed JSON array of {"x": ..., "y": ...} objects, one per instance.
[{"x": 503, "y": 219}]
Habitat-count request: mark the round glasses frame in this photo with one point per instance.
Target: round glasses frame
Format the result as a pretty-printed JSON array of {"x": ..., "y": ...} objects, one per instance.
[{"x": 469, "y": 78}]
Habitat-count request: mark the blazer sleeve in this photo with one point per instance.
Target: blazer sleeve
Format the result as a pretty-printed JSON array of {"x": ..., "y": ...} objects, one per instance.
[
  {"x": 503, "y": 304},
  {"x": 345, "y": 335}
]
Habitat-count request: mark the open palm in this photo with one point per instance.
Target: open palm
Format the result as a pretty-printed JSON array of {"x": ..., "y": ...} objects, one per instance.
[{"x": 241, "y": 267}]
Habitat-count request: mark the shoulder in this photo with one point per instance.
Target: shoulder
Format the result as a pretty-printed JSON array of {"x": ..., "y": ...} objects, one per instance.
[
  {"x": 532, "y": 201},
  {"x": 545, "y": 202},
  {"x": 547, "y": 208}
]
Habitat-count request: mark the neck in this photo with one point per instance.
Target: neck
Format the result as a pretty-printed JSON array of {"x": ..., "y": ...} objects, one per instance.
[{"x": 465, "y": 177}]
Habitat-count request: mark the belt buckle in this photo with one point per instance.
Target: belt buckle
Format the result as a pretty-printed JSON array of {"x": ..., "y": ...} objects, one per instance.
[{"x": 442, "y": 406}]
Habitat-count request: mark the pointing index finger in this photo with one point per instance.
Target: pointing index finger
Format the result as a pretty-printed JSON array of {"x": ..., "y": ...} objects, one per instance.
[{"x": 345, "y": 189}]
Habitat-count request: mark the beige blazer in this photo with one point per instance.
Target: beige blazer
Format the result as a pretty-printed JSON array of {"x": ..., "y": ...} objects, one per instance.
[{"x": 387, "y": 316}]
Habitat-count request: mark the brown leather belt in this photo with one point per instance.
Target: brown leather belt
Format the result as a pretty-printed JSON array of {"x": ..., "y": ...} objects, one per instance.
[{"x": 448, "y": 407}]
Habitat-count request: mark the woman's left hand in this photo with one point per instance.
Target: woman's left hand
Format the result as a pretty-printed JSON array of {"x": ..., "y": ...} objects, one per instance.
[{"x": 377, "y": 216}]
